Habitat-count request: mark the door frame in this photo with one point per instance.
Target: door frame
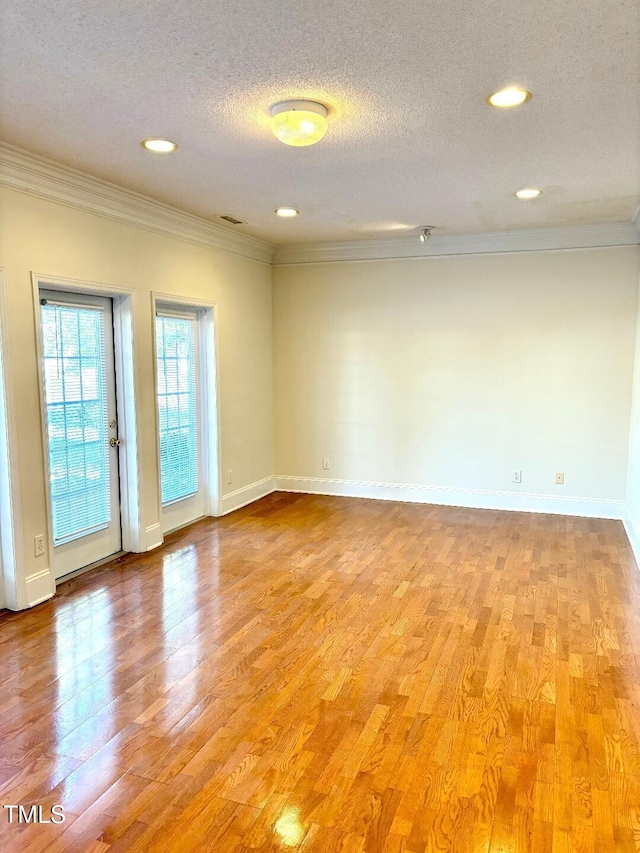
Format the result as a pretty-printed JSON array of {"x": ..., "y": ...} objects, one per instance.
[
  {"x": 13, "y": 590},
  {"x": 123, "y": 298},
  {"x": 209, "y": 388},
  {"x": 77, "y": 552}
]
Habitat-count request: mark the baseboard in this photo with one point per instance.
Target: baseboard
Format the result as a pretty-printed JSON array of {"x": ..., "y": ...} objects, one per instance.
[
  {"x": 471, "y": 498},
  {"x": 247, "y": 494},
  {"x": 634, "y": 535},
  {"x": 154, "y": 537},
  {"x": 40, "y": 587}
]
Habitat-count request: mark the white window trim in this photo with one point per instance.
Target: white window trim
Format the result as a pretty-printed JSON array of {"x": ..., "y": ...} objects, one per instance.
[
  {"x": 209, "y": 388},
  {"x": 13, "y": 591},
  {"x": 134, "y": 534}
]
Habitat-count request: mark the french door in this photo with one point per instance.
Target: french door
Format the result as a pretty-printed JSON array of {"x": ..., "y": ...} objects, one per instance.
[
  {"x": 180, "y": 407},
  {"x": 81, "y": 428}
]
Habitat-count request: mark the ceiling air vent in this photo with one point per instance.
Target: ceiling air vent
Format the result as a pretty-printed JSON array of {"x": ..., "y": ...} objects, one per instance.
[{"x": 228, "y": 218}]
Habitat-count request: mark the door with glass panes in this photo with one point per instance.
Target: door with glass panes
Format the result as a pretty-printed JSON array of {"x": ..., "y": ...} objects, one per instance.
[
  {"x": 179, "y": 416},
  {"x": 81, "y": 428}
]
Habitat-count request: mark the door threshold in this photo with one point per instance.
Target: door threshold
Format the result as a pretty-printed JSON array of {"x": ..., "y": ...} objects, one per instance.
[{"x": 63, "y": 578}]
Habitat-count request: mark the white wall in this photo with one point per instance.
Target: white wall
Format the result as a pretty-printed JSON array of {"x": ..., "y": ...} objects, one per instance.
[
  {"x": 52, "y": 239},
  {"x": 632, "y": 520},
  {"x": 451, "y": 373}
]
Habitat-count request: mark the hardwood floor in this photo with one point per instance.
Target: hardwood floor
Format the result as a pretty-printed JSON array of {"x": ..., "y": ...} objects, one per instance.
[{"x": 332, "y": 674}]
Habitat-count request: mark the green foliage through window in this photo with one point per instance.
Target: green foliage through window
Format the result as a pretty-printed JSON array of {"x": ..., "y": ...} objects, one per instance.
[
  {"x": 76, "y": 404},
  {"x": 177, "y": 407}
]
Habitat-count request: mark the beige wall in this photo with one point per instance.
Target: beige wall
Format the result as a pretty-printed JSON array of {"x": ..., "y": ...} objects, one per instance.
[
  {"x": 48, "y": 238},
  {"x": 455, "y": 372}
]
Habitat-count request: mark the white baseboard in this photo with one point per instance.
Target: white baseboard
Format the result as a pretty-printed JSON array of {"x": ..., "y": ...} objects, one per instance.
[
  {"x": 470, "y": 498},
  {"x": 154, "y": 536},
  {"x": 247, "y": 494},
  {"x": 633, "y": 533},
  {"x": 40, "y": 587}
]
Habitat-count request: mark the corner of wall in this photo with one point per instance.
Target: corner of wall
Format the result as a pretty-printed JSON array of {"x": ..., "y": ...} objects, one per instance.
[
  {"x": 247, "y": 494},
  {"x": 632, "y": 506},
  {"x": 633, "y": 535}
]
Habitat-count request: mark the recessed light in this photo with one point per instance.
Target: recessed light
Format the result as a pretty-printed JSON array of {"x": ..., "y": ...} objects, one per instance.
[
  {"x": 159, "y": 146},
  {"x": 528, "y": 192},
  {"x": 299, "y": 123},
  {"x": 512, "y": 96},
  {"x": 286, "y": 211}
]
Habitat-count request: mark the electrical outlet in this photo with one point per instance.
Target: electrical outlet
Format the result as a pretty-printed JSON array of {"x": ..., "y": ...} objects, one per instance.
[
  {"x": 560, "y": 478},
  {"x": 517, "y": 476},
  {"x": 229, "y": 476},
  {"x": 325, "y": 463},
  {"x": 38, "y": 545}
]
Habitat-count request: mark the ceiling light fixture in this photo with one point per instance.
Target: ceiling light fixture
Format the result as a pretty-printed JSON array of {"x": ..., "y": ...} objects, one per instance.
[
  {"x": 159, "y": 146},
  {"x": 299, "y": 122},
  {"x": 528, "y": 192},
  {"x": 512, "y": 96},
  {"x": 286, "y": 212},
  {"x": 425, "y": 233}
]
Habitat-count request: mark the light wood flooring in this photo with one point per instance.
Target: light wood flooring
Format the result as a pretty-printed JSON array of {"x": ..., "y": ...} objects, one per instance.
[{"x": 333, "y": 674}]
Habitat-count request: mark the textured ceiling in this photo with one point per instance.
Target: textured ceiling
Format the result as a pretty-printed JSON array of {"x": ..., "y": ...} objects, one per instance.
[{"x": 410, "y": 141}]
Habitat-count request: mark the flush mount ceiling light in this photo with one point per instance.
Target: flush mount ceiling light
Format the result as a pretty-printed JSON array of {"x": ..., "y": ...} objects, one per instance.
[
  {"x": 528, "y": 192},
  {"x": 512, "y": 96},
  {"x": 299, "y": 122},
  {"x": 425, "y": 233},
  {"x": 159, "y": 146},
  {"x": 286, "y": 211}
]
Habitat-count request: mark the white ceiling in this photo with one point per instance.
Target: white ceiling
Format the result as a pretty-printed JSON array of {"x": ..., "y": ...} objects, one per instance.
[{"x": 410, "y": 141}]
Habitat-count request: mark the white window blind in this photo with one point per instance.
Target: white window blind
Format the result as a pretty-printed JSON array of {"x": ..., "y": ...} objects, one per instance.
[
  {"x": 73, "y": 339},
  {"x": 177, "y": 406}
]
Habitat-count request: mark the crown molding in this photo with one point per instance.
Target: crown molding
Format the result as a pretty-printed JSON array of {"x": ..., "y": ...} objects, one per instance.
[
  {"x": 532, "y": 240},
  {"x": 35, "y": 175},
  {"x": 29, "y": 173}
]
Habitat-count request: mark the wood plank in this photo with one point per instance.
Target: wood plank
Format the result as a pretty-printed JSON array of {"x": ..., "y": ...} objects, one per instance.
[{"x": 333, "y": 674}]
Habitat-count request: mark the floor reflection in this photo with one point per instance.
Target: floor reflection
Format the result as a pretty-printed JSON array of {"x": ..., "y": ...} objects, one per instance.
[
  {"x": 82, "y": 630},
  {"x": 181, "y": 620},
  {"x": 289, "y": 828},
  {"x": 84, "y": 658}
]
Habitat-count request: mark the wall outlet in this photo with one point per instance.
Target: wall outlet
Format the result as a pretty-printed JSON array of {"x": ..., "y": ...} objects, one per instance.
[
  {"x": 560, "y": 478},
  {"x": 325, "y": 463},
  {"x": 229, "y": 477},
  {"x": 38, "y": 544},
  {"x": 517, "y": 476}
]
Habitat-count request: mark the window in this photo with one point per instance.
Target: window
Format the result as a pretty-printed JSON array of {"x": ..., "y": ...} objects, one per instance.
[
  {"x": 75, "y": 381},
  {"x": 177, "y": 405}
]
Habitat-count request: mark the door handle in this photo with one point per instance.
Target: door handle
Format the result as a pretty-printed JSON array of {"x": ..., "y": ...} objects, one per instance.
[{"x": 115, "y": 442}]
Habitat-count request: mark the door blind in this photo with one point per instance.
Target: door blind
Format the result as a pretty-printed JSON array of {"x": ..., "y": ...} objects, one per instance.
[
  {"x": 177, "y": 406},
  {"x": 73, "y": 339}
]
